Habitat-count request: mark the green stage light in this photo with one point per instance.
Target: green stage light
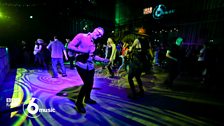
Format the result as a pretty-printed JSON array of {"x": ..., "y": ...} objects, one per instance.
[{"x": 1, "y": 15}]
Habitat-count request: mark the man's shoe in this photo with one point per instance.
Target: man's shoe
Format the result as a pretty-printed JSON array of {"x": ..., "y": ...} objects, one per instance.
[
  {"x": 90, "y": 101},
  {"x": 80, "y": 108},
  {"x": 64, "y": 75},
  {"x": 133, "y": 97},
  {"x": 112, "y": 76},
  {"x": 140, "y": 94},
  {"x": 54, "y": 76}
]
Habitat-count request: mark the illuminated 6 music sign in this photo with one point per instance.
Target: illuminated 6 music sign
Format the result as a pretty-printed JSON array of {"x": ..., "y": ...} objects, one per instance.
[
  {"x": 160, "y": 10},
  {"x": 35, "y": 107}
]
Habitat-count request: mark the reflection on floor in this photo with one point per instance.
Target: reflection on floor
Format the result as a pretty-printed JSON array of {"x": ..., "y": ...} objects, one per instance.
[{"x": 53, "y": 101}]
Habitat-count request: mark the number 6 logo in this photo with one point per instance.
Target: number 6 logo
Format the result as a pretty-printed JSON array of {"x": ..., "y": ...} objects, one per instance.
[{"x": 32, "y": 108}]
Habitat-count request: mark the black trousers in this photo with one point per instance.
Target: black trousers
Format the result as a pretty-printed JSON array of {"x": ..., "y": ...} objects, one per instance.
[
  {"x": 135, "y": 70},
  {"x": 71, "y": 60},
  {"x": 110, "y": 69},
  {"x": 87, "y": 77},
  {"x": 173, "y": 70}
]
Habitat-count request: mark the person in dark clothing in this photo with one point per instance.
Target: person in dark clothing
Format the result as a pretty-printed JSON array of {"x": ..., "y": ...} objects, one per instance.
[
  {"x": 25, "y": 54},
  {"x": 202, "y": 57},
  {"x": 39, "y": 60},
  {"x": 174, "y": 55},
  {"x": 135, "y": 68},
  {"x": 146, "y": 56},
  {"x": 212, "y": 64}
]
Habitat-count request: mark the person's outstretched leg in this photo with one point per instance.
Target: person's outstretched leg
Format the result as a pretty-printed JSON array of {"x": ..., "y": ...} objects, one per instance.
[
  {"x": 82, "y": 92},
  {"x": 131, "y": 83},
  {"x": 61, "y": 61},
  {"x": 89, "y": 84},
  {"x": 54, "y": 68}
]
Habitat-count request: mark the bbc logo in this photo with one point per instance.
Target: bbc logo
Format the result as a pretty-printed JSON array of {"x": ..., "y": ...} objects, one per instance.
[{"x": 12, "y": 100}]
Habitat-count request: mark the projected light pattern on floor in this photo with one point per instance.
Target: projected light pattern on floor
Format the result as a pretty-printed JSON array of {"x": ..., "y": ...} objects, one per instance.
[{"x": 112, "y": 108}]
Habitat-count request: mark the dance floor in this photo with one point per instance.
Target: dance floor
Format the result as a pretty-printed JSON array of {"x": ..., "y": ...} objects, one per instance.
[{"x": 27, "y": 91}]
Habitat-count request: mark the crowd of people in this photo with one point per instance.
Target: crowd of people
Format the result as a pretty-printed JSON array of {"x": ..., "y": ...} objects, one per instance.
[{"x": 134, "y": 55}]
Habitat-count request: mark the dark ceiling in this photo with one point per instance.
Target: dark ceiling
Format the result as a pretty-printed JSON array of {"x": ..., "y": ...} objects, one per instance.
[
  {"x": 50, "y": 16},
  {"x": 58, "y": 15},
  {"x": 51, "y": 8}
]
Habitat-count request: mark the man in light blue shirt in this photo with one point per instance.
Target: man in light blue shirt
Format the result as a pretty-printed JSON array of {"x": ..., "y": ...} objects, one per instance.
[{"x": 57, "y": 50}]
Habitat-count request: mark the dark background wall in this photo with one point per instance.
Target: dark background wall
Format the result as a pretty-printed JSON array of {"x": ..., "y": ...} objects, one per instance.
[{"x": 196, "y": 20}]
